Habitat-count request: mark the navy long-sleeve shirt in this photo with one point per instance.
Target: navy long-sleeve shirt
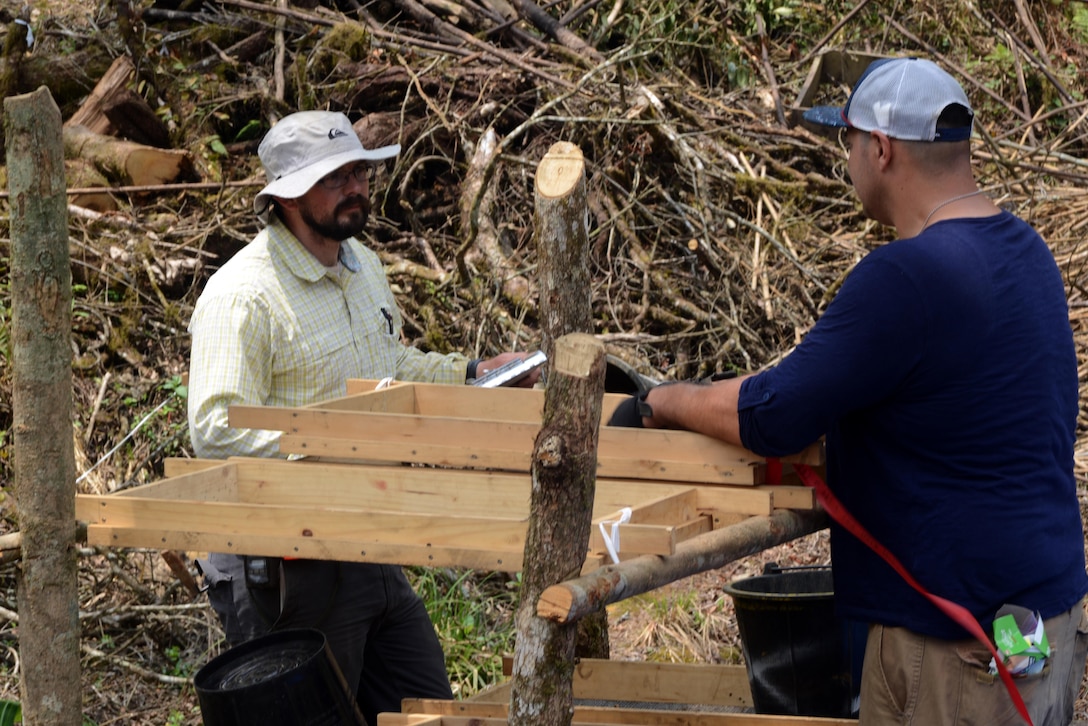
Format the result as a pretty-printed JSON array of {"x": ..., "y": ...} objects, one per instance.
[{"x": 945, "y": 379}]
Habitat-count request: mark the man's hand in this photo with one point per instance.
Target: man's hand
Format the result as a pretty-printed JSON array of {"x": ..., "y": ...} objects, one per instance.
[{"x": 490, "y": 364}]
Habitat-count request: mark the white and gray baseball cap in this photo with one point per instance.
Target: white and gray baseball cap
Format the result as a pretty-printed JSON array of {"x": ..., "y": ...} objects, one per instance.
[
  {"x": 302, "y": 148},
  {"x": 903, "y": 98}
]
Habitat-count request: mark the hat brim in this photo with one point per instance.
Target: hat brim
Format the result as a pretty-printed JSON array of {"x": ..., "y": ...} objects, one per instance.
[
  {"x": 294, "y": 185},
  {"x": 830, "y": 116}
]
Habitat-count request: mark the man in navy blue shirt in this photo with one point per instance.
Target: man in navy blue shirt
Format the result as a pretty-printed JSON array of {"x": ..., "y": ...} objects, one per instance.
[{"x": 944, "y": 378}]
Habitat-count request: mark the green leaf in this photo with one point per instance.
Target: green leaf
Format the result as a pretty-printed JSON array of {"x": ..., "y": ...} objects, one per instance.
[{"x": 11, "y": 712}]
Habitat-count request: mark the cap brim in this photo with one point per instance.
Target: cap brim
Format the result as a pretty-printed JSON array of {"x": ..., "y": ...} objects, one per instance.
[
  {"x": 830, "y": 116},
  {"x": 292, "y": 186}
]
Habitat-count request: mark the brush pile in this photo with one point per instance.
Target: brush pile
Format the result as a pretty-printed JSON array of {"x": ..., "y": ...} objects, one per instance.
[{"x": 720, "y": 229}]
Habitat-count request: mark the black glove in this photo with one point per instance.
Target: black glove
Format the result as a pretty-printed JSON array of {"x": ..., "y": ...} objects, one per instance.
[{"x": 630, "y": 412}]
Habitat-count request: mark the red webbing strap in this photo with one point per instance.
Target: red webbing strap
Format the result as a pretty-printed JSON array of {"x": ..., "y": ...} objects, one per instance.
[{"x": 958, "y": 613}]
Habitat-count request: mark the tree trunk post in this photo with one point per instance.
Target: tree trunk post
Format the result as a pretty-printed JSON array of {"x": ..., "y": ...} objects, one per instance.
[
  {"x": 564, "y": 463},
  {"x": 562, "y": 237},
  {"x": 563, "y": 486},
  {"x": 44, "y": 470},
  {"x": 566, "y": 294}
]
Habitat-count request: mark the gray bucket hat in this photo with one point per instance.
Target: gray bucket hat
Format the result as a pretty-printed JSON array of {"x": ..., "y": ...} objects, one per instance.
[{"x": 304, "y": 147}]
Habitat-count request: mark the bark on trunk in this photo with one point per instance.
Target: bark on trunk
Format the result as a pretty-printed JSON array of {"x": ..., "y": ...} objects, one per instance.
[
  {"x": 565, "y": 454},
  {"x": 563, "y": 485},
  {"x": 563, "y": 244},
  {"x": 41, "y": 292},
  {"x": 566, "y": 293}
]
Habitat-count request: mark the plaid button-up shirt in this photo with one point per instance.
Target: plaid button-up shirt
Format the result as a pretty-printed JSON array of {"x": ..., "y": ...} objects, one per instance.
[{"x": 275, "y": 327}]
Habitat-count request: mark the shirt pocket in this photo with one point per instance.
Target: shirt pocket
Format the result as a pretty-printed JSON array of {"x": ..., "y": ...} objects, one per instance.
[{"x": 315, "y": 360}]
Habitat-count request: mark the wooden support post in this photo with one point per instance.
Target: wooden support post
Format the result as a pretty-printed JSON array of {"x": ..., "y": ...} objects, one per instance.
[
  {"x": 564, "y": 463},
  {"x": 562, "y": 245},
  {"x": 566, "y": 297},
  {"x": 563, "y": 485},
  {"x": 568, "y": 601},
  {"x": 45, "y": 470}
]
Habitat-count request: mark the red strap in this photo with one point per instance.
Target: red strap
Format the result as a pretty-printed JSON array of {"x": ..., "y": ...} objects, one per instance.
[
  {"x": 958, "y": 613},
  {"x": 774, "y": 471}
]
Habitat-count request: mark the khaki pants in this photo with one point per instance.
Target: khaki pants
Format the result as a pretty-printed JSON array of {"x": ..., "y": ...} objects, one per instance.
[{"x": 909, "y": 679}]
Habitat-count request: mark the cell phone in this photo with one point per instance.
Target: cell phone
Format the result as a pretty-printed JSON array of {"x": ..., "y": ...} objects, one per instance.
[{"x": 510, "y": 373}]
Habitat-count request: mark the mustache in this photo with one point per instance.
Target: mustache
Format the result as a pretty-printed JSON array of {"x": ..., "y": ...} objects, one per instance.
[{"x": 358, "y": 200}]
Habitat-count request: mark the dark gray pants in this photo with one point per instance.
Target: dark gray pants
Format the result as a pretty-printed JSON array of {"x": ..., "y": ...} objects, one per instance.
[{"x": 376, "y": 626}]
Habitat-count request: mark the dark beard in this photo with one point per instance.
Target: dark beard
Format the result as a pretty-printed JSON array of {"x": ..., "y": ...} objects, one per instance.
[{"x": 343, "y": 222}]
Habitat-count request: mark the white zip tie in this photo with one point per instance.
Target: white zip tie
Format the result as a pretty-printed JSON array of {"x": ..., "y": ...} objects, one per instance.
[
  {"x": 612, "y": 541},
  {"x": 29, "y": 32},
  {"x": 384, "y": 383}
]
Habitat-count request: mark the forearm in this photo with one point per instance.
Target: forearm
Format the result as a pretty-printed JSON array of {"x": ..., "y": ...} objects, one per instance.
[
  {"x": 706, "y": 409},
  {"x": 415, "y": 365}
]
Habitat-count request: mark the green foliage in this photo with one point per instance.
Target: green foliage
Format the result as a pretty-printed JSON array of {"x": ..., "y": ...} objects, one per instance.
[
  {"x": 11, "y": 712},
  {"x": 1078, "y": 23},
  {"x": 473, "y": 614},
  {"x": 179, "y": 667}
]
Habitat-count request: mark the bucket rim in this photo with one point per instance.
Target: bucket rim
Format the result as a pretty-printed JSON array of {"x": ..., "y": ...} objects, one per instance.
[
  {"x": 213, "y": 668},
  {"x": 730, "y": 588}
]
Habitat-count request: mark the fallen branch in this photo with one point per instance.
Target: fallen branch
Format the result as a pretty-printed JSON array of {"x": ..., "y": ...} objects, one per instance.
[{"x": 137, "y": 669}]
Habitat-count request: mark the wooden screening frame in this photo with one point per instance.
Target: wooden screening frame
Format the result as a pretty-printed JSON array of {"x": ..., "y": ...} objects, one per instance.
[
  {"x": 464, "y": 426},
  {"x": 359, "y": 501},
  {"x": 621, "y": 692}
]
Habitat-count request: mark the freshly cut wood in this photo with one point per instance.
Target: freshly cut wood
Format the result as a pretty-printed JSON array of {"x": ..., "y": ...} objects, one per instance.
[
  {"x": 125, "y": 162},
  {"x": 91, "y": 114}
]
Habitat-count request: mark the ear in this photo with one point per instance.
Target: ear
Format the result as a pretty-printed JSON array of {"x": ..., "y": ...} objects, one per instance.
[
  {"x": 882, "y": 149},
  {"x": 291, "y": 204}
]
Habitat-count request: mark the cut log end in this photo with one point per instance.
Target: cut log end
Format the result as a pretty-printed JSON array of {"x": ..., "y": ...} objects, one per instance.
[
  {"x": 576, "y": 353},
  {"x": 556, "y": 604},
  {"x": 560, "y": 171}
]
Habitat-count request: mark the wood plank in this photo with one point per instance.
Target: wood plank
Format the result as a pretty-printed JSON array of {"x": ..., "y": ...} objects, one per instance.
[
  {"x": 653, "y": 528},
  {"x": 177, "y": 465},
  {"x": 469, "y": 713},
  {"x": 307, "y": 547},
  {"x": 791, "y": 497},
  {"x": 633, "y": 453},
  {"x": 515, "y": 458},
  {"x": 365, "y": 526},
  {"x": 391, "y": 488},
  {"x": 738, "y": 500},
  {"x": 624, "y": 681},
  {"x": 699, "y": 683},
  {"x": 395, "y": 398},
  {"x": 214, "y": 484},
  {"x": 710, "y": 684},
  {"x": 498, "y": 404},
  {"x": 267, "y": 506},
  {"x": 362, "y": 385}
]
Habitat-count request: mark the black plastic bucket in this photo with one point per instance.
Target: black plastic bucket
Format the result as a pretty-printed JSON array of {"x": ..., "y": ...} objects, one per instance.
[
  {"x": 801, "y": 659},
  {"x": 285, "y": 678}
]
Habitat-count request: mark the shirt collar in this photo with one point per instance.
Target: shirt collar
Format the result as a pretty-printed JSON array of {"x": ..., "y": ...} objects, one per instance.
[{"x": 299, "y": 260}]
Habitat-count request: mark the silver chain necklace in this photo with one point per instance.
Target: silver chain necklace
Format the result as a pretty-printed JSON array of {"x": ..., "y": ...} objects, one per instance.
[{"x": 945, "y": 203}]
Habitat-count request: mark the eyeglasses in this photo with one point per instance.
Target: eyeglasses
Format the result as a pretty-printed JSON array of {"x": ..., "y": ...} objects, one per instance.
[{"x": 339, "y": 178}]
